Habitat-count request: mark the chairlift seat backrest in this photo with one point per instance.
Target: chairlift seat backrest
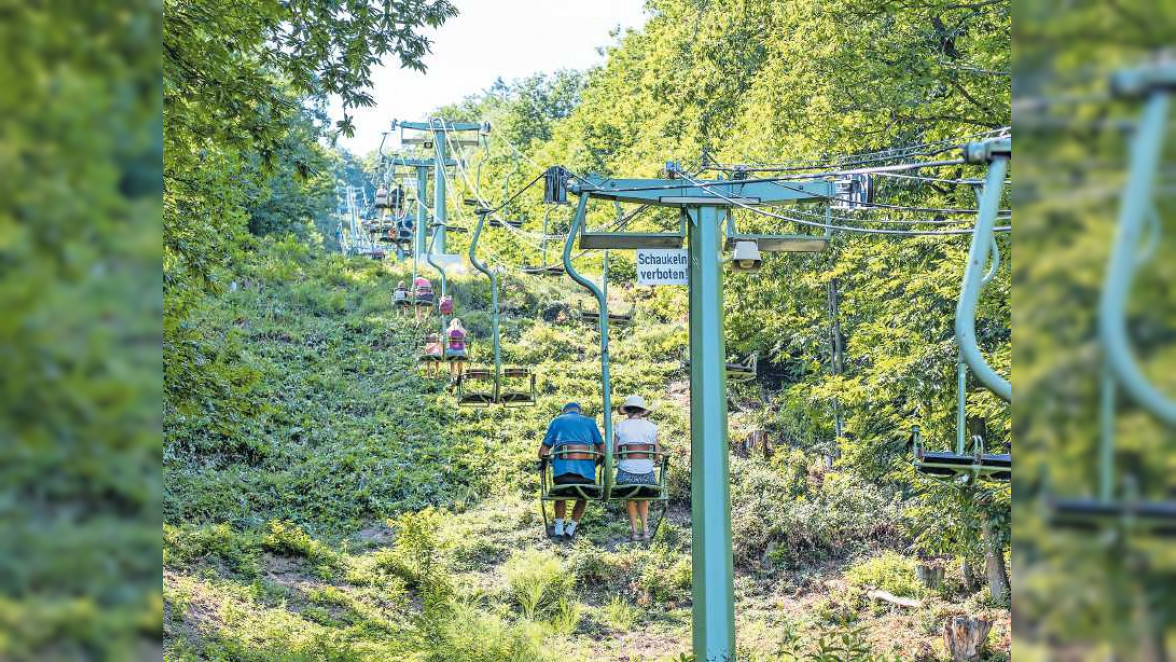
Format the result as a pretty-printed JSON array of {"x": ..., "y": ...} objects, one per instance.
[
  {"x": 575, "y": 452},
  {"x": 635, "y": 451}
]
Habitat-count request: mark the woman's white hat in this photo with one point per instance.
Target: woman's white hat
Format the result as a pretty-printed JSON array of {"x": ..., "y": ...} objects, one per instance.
[{"x": 633, "y": 402}]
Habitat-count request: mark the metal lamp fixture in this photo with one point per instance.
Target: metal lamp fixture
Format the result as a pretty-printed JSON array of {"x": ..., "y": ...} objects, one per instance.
[{"x": 746, "y": 257}]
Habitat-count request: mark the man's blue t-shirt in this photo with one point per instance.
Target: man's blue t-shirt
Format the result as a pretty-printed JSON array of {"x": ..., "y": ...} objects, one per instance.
[{"x": 573, "y": 428}]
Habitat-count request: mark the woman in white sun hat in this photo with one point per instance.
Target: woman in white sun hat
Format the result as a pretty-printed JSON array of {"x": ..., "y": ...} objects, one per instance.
[{"x": 636, "y": 433}]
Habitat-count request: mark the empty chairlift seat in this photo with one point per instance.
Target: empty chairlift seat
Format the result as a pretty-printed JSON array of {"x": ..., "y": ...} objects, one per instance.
[
  {"x": 544, "y": 270},
  {"x": 949, "y": 464},
  {"x": 517, "y": 387},
  {"x": 593, "y": 316},
  {"x": 1154, "y": 517},
  {"x": 477, "y": 387}
]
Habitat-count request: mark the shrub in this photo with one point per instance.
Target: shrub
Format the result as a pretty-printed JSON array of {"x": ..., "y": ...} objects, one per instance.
[
  {"x": 836, "y": 518},
  {"x": 620, "y": 615},
  {"x": 536, "y": 581},
  {"x": 566, "y": 617},
  {"x": 184, "y": 545},
  {"x": 891, "y": 572},
  {"x": 418, "y": 556},
  {"x": 288, "y": 539},
  {"x": 473, "y": 636},
  {"x": 592, "y": 565}
]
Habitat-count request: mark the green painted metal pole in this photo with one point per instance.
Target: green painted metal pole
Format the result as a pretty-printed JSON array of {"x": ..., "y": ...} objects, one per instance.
[
  {"x": 439, "y": 211},
  {"x": 978, "y": 256},
  {"x": 713, "y": 583},
  {"x": 493, "y": 299},
  {"x": 604, "y": 276},
  {"x": 543, "y": 241},
  {"x": 444, "y": 284},
  {"x": 421, "y": 214},
  {"x": 1106, "y": 441},
  {"x": 602, "y": 304},
  {"x": 961, "y": 406},
  {"x": 1147, "y": 150}
]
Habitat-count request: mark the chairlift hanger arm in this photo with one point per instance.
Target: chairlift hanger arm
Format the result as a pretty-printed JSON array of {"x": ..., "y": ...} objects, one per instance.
[
  {"x": 577, "y": 221},
  {"x": 1137, "y": 206},
  {"x": 997, "y": 154}
]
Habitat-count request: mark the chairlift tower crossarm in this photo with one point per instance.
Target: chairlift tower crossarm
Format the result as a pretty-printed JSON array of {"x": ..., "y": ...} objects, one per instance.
[{"x": 440, "y": 130}]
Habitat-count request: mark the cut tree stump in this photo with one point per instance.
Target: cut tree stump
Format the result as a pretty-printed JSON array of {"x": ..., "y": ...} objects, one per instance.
[
  {"x": 964, "y": 637},
  {"x": 931, "y": 576}
]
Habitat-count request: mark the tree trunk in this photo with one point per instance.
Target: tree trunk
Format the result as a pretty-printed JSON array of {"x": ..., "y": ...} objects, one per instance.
[
  {"x": 930, "y": 576},
  {"x": 964, "y": 637},
  {"x": 969, "y": 574},
  {"x": 994, "y": 567}
]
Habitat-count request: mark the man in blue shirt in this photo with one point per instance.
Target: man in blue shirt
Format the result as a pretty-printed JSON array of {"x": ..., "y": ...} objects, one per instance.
[{"x": 572, "y": 427}]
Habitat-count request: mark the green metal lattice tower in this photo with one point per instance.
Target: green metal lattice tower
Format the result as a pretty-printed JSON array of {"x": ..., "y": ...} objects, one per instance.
[{"x": 439, "y": 134}]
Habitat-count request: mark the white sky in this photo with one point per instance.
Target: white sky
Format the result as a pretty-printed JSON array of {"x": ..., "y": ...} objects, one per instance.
[{"x": 491, "y": 39}]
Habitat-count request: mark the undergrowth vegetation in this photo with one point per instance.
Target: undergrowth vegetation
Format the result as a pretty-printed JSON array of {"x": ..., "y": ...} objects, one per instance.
[{"x": 359, "y": 515}]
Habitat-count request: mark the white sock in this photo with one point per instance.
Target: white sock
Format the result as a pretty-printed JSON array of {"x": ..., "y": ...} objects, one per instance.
[
  {"x": 559, "y": 530},
  {"x": 571, "y": 527}
]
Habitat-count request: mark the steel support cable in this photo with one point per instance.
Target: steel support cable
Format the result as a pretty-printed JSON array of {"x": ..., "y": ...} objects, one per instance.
[
  {"x": 478, "y": 195},
  {"x": 932, "y": 180},
  {"x": 883, "y": 205},
  {"x": 534, "y": 237},
  {"x": 924, "y": 149},
  {"x": 465, "y": 176},
  {"x": 883, "y": 221},
  {"x": 825, "y": 226}
]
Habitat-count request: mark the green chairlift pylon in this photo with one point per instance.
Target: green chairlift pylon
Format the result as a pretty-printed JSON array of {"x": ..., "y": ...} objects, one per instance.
[
  {"x": 962, "y": 460},
  {"x": 702, "y": 206},
  {"x": 1131, "y": 251}
]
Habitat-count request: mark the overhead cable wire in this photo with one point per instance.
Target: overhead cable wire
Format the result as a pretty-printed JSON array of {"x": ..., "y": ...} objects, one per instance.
[
  {"x": 826, "y": 226},
  {"x": 891, "y": 154}
]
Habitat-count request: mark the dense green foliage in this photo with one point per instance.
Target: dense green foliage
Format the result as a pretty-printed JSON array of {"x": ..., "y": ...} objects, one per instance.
[
  {"x": 770, "y": 82},
  {"x": 79, "y": 287},
  {"x": 1074, "y": 581},
  {"x": 296, "y": 422}
]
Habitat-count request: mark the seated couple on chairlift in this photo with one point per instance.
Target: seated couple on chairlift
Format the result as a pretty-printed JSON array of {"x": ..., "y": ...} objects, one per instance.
[
  {"x": 635, "y": 467},
  {"x": 451, "y": 348}
]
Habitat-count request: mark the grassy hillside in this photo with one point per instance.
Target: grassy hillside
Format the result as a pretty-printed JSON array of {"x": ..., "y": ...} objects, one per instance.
[{"x": 355, "y": 513}]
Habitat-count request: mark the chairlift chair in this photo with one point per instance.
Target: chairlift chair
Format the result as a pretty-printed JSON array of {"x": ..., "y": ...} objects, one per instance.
[
  {"x": 593, "y": 316},
  {"x": 658, "y": 492},
  {"x": 469, "y": 394},
  {"x": 550, "y": 491},
  {"x": 949, "y": 464},
  {"x": 514, "y": 223},
  {"x": 1157, "y": 518},
  {"x": 544, "y": 270},
  {"x": 512, "y": 392},
  {"x": 424, "y": 356},
  {"x": 1128, "y": 513}
]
